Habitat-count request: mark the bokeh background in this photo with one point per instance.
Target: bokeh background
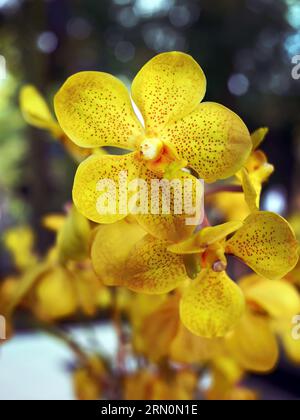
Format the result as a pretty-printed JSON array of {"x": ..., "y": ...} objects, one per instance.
[{"x": 245, "y": 48}]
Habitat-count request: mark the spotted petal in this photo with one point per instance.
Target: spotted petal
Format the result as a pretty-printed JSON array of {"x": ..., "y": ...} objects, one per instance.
[
  {"x": 212, "y": 305},
  {"x": 94, "y": 109},
  {"x": 96, "y": 191},
  {"x": 168, "y": 88},
  {"x": 152, "y": 269},
  {"x": 73, "y": 237},
  {"x": 267, "y": 244},
  {"x": 176, "y": 210},
  {"x": 212, "y": 139}
]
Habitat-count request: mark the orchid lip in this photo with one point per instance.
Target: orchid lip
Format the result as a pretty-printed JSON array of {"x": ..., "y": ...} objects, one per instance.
[{"x": 151, "y": 148}]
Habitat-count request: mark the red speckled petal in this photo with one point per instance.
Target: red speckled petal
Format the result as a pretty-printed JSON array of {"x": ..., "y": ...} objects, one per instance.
[
  {"x": 152, "y": 269},
  {"x": 212, "y": 139},
  {"x": 212, "y": 305},
  {"x": 172, "y": 226},
  {"x": 168, "y": 87},
  {"x": 96, "y": 191},
  {"x": 267, "y": 244},
  {"x": 94, "y": 109}
]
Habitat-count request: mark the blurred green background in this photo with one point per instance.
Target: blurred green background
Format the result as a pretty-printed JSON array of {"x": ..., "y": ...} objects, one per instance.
[{"x": 244, "y": 46}]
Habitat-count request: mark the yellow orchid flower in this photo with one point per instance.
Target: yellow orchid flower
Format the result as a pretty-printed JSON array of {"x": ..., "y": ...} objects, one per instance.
[
  {"x": 36, "y": 112},
  {"x": 253, "y": 343},
  {"x": 60, "y": 292},
  {"x": 173, "y": 339},
  {"x": 94, "y": 109},
  {"x": 148, "y": 267},
  {"x": 265, "y": 242},
  {"x": 188, "y": 348},
  {"x": 212, "y": 303},
  {"x": 68, "y": 283},
  {"x": 257, "y": 170}
]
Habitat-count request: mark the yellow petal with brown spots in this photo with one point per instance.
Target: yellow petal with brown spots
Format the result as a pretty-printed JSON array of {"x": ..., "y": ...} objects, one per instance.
[
  {"x": 99, "y": 185},
  {"x": 111, "y": 247},
  {"x": 94, "y": 109},
  {"x": 167, "y": 88},
  {"x": 174, "y": 207},
  {"x": 253, "y": 344},
  {"x": 152, "y": 269},
  {"x": 267, "y": 244},
  {"x": 212, "y": 305},
  {"x": 212, "y": 139}
]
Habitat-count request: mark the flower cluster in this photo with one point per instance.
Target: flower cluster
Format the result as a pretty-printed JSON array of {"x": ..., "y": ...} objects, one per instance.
[{"x": 173, "y": 284}]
